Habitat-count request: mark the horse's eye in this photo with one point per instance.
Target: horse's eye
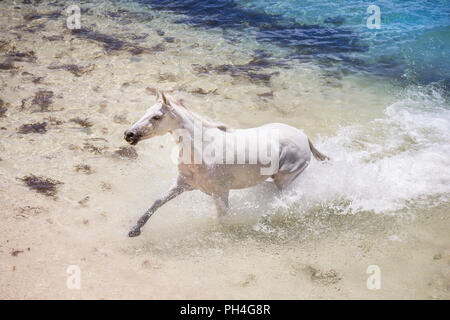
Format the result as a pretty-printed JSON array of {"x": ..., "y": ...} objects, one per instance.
[{"x": 157, "y": 118}]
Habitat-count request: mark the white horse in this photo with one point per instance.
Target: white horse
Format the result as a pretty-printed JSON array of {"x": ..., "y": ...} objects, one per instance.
[{"x": 209, "y": 159}]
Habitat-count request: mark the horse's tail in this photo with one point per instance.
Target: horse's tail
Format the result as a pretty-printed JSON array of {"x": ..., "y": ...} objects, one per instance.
[{"x": 316, "y": 153}]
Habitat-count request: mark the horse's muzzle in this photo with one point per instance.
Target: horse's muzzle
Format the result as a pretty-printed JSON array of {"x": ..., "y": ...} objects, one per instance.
[{"x": 131, "y": 137}]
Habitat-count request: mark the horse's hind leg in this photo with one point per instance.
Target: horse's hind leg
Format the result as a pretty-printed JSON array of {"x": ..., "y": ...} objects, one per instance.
[
  {"x": 290, "y": 169},
  {"x": 283, "y": 180},
  {"x": 221, "y": 202}
]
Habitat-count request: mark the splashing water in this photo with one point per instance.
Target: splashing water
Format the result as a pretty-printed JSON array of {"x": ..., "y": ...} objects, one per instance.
[{"x": 389, "y": 165}]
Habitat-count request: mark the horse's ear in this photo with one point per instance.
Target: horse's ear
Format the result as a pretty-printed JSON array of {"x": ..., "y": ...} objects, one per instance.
[
  {"x": 167, "y": 108},
  {"x": 161, "y": 97}
]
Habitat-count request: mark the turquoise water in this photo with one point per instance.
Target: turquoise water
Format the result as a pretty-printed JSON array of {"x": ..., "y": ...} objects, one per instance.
[{"x": 412, "y": 44}]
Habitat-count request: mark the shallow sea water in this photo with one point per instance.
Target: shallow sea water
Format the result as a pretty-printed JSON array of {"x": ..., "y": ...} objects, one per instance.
[{"x": 363, "y": 97}]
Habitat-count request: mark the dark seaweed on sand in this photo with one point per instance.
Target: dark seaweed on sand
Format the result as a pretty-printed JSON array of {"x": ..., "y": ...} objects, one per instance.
[
  {"x": 250, "y": 71},
  {"x": 85, "y": 123},
  {"x": 78, "y": 71},
  {"x": 28, "y": 56},
  {"x": 111, "y": 43},
  {"x": 6, "y": 65},
  {"x": 53, "y": 38},
  {"x": 126, "y": 152},
  {"x": 93, "y": 148},
  {"x": 42, "y": 185},
  {"x": 2, "y": 109},
  {"x": 83, "y": 168},
  {"x": 266, "y": 94},
  {"x": 38, "y": 127},
  {"x": 203, "y": 91},
  {"x": 35, "y": 15},
  {"x": 43, "y": 98}
]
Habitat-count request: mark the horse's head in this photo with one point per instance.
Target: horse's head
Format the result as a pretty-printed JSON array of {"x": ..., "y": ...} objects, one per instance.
[{"x": 155, "y": 122}]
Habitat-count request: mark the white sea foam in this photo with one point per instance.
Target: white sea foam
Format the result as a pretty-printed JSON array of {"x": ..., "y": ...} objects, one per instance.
[{"x": 389, "y": 165}]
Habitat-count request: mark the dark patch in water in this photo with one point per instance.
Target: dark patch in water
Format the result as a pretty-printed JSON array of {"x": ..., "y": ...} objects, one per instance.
[
  {"x": 21, "y": 56},
  {"x": 238, "y": 71},
  {"x": 158, "y": 48},
  {"x": 167, "y": 77},
  {"x": 43, "y": 98},
  {"x": 126, "y": 152},
  {"x": 49, "y": 15},
  {"x": 333, "y": 83},
  {"x": 121, "y": 118},
  {"x": 7, "y": 65},
  {"x": 4, "y": 45},
  {"x": 331, "y": 44},
  {"x": 15, "y": 253},
  {"x": 94, "y": 148},
  {"x": 316, "y": 42},
  {"x": 249, "y": 71},
  {"x": 85, "y": 123},
  {"x": 266, "y": 94},
  {"x": 133, "y": 36},
  {"x": 126, "y": 16},
  {"x": 53, "y": 38},
  {"x": 327, "y": 278},
  {"x": 38, "y": 127},
  {"x": 22, "y": 104},
  {"x": 199, "y": 69},
  {"x": 2, "y": 109},
  {"x": 332, "y": 74},
  {"x": 151, "y": 90},
  {"x": 105, "y": 186},
  {"x": 169, "y": 39},
  {"x": 30, "y": 28},
  {"x": 27, "y": 76},
  {"x": 42, "y": 185},
  {"x": 53, "y": 121},
  {"x": 308, "y": 40},
  {"x": 137, "y": 51},
  {"x": 116, "y": 14},
  {"x": 203, "y": 91},
  {"x": 83, "y": 168},
  {"x": 83, "y": 202},
  {"x": 337, "y": 21},
  {"x": 37, "y": 80},
  {"x": 111, "y": 43},
  {"x": 72, "y": 68}
]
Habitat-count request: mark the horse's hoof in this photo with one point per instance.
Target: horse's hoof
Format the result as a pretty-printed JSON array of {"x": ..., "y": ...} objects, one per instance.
[{"x": 134, "y": 233}]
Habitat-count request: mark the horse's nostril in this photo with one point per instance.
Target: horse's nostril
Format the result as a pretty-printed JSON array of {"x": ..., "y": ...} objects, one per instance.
[{"x": 129, "y": 135}]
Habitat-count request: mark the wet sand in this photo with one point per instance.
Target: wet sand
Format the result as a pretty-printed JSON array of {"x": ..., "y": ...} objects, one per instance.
[{"x": 70, "y": 187}]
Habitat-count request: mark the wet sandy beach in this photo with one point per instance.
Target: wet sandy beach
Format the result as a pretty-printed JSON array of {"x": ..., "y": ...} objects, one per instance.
[{"x": 71, "y": 188}]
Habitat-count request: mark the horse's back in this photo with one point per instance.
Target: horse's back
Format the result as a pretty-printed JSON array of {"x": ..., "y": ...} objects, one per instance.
[
  {"x": 294, "y": 155},
  {"x": 294, "y": 149},
  {"x": 292, "y": 137}
]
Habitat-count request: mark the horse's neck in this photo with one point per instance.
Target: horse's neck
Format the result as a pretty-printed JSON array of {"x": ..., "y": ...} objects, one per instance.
[
  {"x": 188, "y": 120},
  {"x": 188, "y": 124}
]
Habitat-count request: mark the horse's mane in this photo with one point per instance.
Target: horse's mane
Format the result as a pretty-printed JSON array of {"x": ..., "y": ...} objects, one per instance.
[{"x": 210, "y": 123}]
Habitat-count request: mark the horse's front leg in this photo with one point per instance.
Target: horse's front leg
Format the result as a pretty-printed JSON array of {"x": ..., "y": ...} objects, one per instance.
[
  {"x": 176, "y": 190},
  {"x": 221, "y": 202}
]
